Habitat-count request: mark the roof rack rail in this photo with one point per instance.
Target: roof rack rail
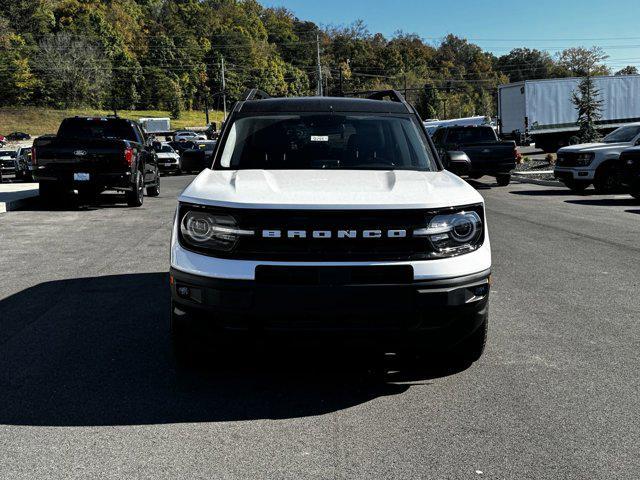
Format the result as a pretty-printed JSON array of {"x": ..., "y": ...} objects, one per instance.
[
  {"x": 392, "y": 95},
  {"x": 255, "y": 94}
]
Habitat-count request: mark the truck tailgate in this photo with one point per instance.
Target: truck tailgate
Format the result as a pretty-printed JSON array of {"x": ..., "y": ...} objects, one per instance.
[{"x": 103, "y": 155}]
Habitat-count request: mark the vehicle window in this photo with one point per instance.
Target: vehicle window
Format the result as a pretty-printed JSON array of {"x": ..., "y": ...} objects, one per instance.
[
  {"x": 470, "y": 135},
  {"x": 623, "y": 134},
  {"x": 438, "y": 136},
  {"x": 312, "y": 141},
  {"x": 166, "y": 149},
  {"x": 8, "y": 153},
  {"x": 97, "y": 128}
]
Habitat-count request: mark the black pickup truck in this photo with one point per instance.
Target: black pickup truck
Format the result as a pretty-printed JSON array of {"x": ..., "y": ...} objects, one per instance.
[
  {"x": 488, "y": 155},
  {"x": 91, "y": 155}
]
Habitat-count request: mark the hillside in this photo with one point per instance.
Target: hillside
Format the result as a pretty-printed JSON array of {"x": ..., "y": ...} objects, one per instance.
[{"x": 38, "y": 121}]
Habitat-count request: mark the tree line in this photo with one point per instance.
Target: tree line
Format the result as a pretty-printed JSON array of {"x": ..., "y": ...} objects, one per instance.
[{"x": 168, "y": 54}]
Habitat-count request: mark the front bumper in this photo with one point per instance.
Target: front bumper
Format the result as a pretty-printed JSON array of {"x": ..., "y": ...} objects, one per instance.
[
  {"x": 442, "y": 312},
  {"x": 573, "y": 174}
]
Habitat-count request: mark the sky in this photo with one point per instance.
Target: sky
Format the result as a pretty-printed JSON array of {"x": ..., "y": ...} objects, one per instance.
[{"x": 495, "y": 25}]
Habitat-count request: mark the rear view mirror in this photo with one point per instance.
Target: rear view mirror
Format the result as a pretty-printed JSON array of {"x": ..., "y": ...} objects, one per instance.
[{"x": 458, "y": 163}]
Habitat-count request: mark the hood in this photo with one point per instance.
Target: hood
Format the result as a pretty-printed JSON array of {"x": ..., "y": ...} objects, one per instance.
[
  {"x": 593, "y": 147},
  {"x": 329, "y": 189}
]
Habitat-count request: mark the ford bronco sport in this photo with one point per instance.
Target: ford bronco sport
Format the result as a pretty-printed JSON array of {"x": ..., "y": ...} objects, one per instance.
[{"x": 331, "y": 216}]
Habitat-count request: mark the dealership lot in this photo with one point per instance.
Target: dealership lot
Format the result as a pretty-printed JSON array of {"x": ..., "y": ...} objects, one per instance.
[{"x": 88, "y": 387}]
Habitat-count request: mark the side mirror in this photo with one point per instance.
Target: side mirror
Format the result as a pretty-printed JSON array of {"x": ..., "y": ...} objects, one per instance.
[
  {"x": 458, "y": 163},
  {"x": 637, "y": 142}
]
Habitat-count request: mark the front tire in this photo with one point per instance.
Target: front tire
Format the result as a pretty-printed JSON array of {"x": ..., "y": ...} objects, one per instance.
[
  {"x": 154, "y": 191},
  {"x": 135, "y": 198},
  {"x": 503, "y": 180},
  {"x": 606, "y": 180}
]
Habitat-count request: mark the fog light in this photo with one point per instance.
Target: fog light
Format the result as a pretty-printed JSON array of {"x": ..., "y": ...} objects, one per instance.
[
  {"x": 184, "y": 292},
  {"x": 481, "y": 290}
]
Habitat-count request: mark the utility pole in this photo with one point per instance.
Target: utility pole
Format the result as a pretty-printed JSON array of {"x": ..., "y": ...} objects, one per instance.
[
  {"x": 341, "y": 90},
  {"x": 319, "y": 88},
  {"x": 224, "y": 91},
  {"x": 405, "y": 85}
]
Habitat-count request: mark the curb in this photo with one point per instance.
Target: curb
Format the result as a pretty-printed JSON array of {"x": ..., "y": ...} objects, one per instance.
[{"x": 533, "y": 181}]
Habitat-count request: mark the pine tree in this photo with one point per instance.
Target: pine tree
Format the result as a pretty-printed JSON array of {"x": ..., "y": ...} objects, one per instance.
[{"x": 589, "y": 106}]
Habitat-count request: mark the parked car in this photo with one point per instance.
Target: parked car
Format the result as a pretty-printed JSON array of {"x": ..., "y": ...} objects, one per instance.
[
  {"x": 629, "y": 168},
  {"x": 168, "y": 159},
  {"x": 199, "y": 157},
  {"x": 578, "y": 166},
  {"x": 188, "y": 135},
  {"x": 182, "y": 146},
  {"x": 8, "y": 163},
  {"x": 488, "y": 155},
  {"x": 23, "y": 156},
  {"x": 18, "y": 136},
  {"x": 95, "y": 154},
  {"x": 331, "y": 218}
]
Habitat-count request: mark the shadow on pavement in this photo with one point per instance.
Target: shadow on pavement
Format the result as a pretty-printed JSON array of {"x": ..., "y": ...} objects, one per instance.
[
  {"x": 73, "y": 203},
  {"x": 95, "y": 351},
  {"x": 606, "y": 202},
  {"x": 556, "y": 192},
  {"x": 637, "y": 212}
]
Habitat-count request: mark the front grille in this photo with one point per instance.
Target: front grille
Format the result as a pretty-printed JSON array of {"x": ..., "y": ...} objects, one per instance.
[
  {"x": 330, "y": 249},
  {"x": 567, "y": 159}
]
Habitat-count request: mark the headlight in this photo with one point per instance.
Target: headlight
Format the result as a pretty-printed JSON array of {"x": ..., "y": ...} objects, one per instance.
[
  {"x": 584, "y": 159},
  {"x": 453, "y": 234},
  {"x": 211, "y": 231}
]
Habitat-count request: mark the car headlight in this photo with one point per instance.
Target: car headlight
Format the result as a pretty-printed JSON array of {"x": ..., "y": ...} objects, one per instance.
[
  {"x": 453, "y": 233},
  {"x": 204, "y": 230},
  {"x": 584, "y": 159}
]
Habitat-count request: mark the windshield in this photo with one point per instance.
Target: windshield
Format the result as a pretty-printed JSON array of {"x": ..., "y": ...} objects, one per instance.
[
  {"x": 469, "y": 135},
  {"x": 623, "y": 134},
  {"x": 8, "y": 153},
  {"x": 326, "y": 141},
  {"x": 166, "y": 149}
]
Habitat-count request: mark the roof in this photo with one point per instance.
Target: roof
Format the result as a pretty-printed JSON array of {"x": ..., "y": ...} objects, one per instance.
[{"x": 322, "y": 104}]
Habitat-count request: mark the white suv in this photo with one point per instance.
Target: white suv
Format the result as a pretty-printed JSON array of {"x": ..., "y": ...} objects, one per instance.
[
  {"x": 578, "y": 166},
  {"x": 335, "y": 217}
]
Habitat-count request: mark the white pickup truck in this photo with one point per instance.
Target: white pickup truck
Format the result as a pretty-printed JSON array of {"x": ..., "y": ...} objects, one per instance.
[{"x": 579, "y": 166}]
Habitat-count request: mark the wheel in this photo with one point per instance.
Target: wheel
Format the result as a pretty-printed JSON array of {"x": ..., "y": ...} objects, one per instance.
[
  {"x": 179, "y": 169},
  {"x": 49, "y": 191},
  {"x": 135, "y": 197},
  {"x": 154, "y": 191},
  {"x": 605, "y": 180},
  {"x": 503, "y": 180},
  {"x": 576, "y": 186}
]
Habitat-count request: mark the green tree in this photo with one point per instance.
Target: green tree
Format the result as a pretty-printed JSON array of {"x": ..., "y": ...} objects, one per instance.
[
  {"x": 589, "y": 107},
  {"x": 526, "y": 64},
  {"x": 628, "y": 70},
  {"x": 582, "y": 62}
]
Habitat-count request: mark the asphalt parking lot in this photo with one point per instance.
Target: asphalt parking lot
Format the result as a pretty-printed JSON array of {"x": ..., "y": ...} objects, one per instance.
[{"x": 88, "y": 387}]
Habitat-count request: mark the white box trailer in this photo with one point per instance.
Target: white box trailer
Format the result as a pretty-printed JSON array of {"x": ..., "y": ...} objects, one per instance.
[
  {"x": 542, "y": 111},
  {"x": 156, "y": 125}
]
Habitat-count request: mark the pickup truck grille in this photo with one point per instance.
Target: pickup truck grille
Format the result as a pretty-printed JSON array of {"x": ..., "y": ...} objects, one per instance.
[
  {"x": 311, "y": 249},
  {"x": 567, "y": 159}
]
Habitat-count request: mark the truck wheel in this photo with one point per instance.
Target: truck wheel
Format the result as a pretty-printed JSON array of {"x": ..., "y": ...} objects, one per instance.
[
  {"x": 503, "y": 180},
  {"x": 155, "y": 190},
  {"x": 606, "y": 180},
  {"x": 49, "y": 191},
  {"x": 135, "y": 197}
]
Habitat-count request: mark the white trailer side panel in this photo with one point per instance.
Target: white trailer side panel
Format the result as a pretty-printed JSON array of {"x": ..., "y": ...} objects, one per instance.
[
  {"x": 550, "y": 109},
  {"x": 512, "y": 108}
]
